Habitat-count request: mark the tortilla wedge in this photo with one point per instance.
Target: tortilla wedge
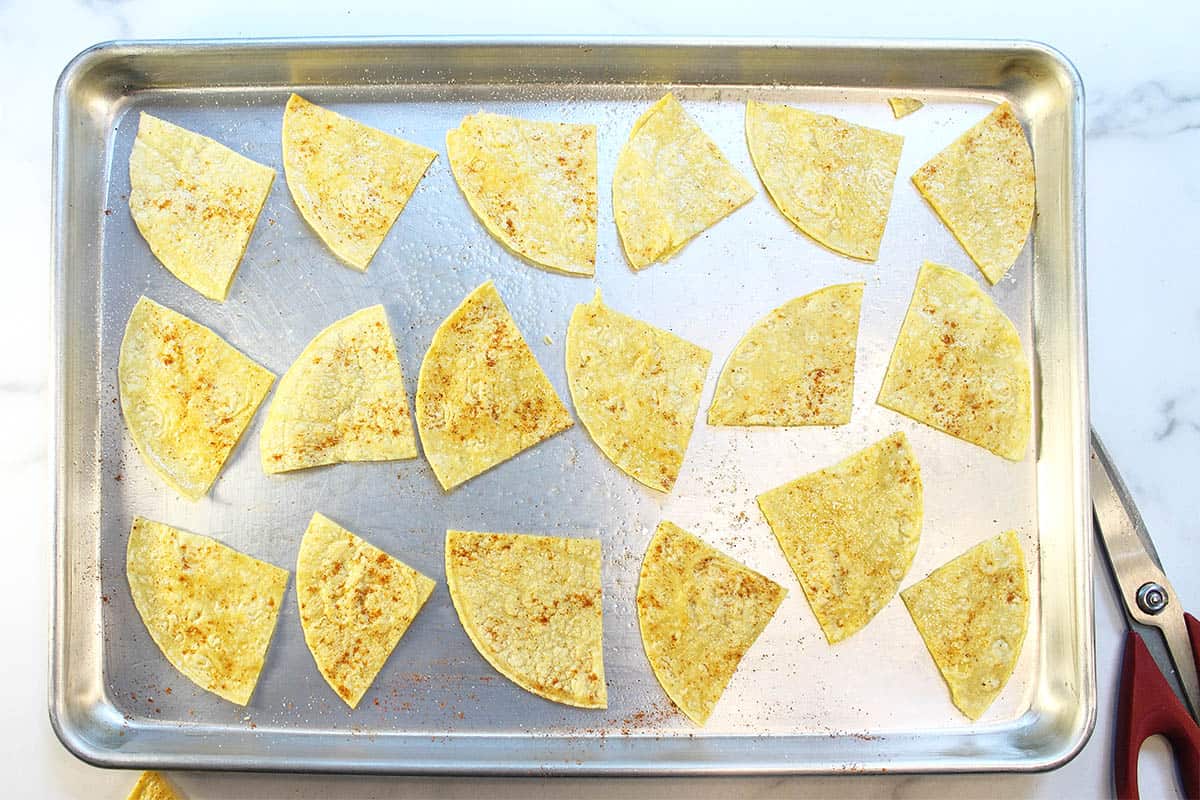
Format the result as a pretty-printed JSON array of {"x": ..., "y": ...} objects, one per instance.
[
  {"x": 532, "y": 607},
  {"x": 699, "y": 611},
  {"x": 210, "y": 609},
  {"x": 972, "y": 613},
  {"x": 671, "y": 183},
  {"x": 349, "y": 180},
  {"x": 343, "y": 399},
  {"x": 850, "y": 532},
  {"x": 195, "y": 202},
  {"x": 958, "y": 365},
  {"x": 356, "y": 602},
  {"x": 795, "y": 366},
  {"x": 187, "y": 396},
  {"x": 982, "y": 187}
]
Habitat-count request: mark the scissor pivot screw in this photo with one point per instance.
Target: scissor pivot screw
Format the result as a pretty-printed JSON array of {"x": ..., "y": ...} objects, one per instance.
[{"x": 1151, "y": 597}]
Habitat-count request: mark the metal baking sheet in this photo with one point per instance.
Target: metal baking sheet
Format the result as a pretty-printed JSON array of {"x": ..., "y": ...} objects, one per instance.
[{"x": 873, "y": 703}]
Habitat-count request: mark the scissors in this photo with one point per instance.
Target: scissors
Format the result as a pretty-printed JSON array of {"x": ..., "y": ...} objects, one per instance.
[{"x": 1148, "y": 702}]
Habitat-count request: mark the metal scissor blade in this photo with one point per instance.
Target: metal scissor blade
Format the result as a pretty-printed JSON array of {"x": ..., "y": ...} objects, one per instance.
[{"x": 1145, "y": 591}]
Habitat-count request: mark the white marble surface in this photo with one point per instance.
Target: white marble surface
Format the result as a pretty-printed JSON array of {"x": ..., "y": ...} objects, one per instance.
[{"x": 1143, "y": 205}]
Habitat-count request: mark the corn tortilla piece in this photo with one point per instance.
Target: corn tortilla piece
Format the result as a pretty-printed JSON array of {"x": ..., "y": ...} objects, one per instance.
[
  {"x": 850, "y": 532},
  {"x": 349, "y": 180},
  {"x": 903, "y": 106},
  {"x": 154, "y": 786},
  {"x": 958, "y": 365},
  {"x": 795, "y": 366},
  {"x": 532, "y": 185},
  {"x": 831, "y": 178},
  {"x": 195, "y": 203},
  {"x": 671, "y": 183},
  {"x": 982, "y": 188},
  {"x": 636, "y": 389},
  {"x": 210, "y": 609},
  {"x": 187, "y": 395},
  {"x": 972, "y": 613},
  {"x": 356, "y": 602},
  {"x": 699, "y": 611},
  {"x": 532, "y": 607},
  {"x": 481, "y": 395},
  {"x": 342, "y": 400}
]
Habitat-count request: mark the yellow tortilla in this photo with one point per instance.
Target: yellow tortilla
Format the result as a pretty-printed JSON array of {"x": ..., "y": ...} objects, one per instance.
[
  {"x": 210, "y": 609},
  {"x": 636, "y": 389},
  {"x": 850, "y": 532},
  {"x": 195, "y": 203},
  {"x": 982, "y": 187},
  {"x": 187, "y": 395},
  {"x": 532, "y": 607},
  {"x": 356, "y": 601},
  {"x": 795, "y": 366},
  {"x": 349, "y": 180},
  {"x": 671, "y": 183},
  {"x": 958, "y": 365},
  {"x": 532, "y": 185},
  {"x": 903, "y": 106},
  {"x": 154, "y": 786},
  {"x": 481, "y": 395},
  {"x": 342, "y": 400},
  {"x": 831, "y": 178},
  {"x": 972, "y": 613},
  {"x": 699, "y": 611}
]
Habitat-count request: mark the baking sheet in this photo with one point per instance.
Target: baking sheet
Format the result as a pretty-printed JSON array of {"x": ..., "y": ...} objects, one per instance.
[{"x": 873, "y": 702}]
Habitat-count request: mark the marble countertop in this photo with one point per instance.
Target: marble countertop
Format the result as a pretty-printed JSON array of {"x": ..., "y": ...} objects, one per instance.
[{"x": 1143, "y": 203}]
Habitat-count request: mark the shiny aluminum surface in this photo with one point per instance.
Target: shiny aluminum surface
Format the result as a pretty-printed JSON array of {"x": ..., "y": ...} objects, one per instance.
[{"x": 874, "y": 702}]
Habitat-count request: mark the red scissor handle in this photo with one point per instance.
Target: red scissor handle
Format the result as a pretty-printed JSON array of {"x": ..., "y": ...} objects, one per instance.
[{"x": 1148, "y": 706}]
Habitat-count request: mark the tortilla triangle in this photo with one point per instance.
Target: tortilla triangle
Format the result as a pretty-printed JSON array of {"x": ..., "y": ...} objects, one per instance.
[
  {"x": 982, "y": 187},
  {"x": 532, "y": 185},
  {"x": 482, "y": 397},
  {"x": 532, "y": 607},
  {"x": 210, "y": 609},
  {"x": 699, "y": 611},
  {"x": 795, "y": 366},
  {"x": 636, "y": 389},
  {"x": 972, "y": 613},
  {"x": 187, "y": 395},
  {"x": 349, "y": 180},
  {"x": 195, "y": 202},
  {"x": 833, "y": 179},
  {"x": 958, "y": 365},
  {"x": 671, "y": 183},
  {"x": 356, "y": 602},
  {"x": 343, "y": 399},
  {"x": 850, "y": 532}
]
